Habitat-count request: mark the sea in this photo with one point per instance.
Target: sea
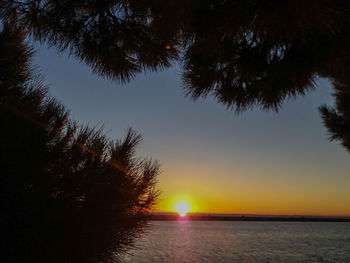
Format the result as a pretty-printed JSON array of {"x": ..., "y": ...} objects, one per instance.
[{"x": 241, "y": 241}]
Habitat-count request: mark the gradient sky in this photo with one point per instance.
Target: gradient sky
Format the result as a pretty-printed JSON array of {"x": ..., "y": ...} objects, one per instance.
[{"x": 219, "y": 162}]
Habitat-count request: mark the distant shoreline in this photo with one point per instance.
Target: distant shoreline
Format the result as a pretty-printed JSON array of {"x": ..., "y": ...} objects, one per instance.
[{"x": 217, "y": 217}]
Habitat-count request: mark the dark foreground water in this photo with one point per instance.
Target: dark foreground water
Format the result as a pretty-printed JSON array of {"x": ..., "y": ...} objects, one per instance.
[{"x": 226, "y": 242}]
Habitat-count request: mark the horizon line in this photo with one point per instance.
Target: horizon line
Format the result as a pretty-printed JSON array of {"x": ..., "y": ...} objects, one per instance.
[{"x": 253, "y": 214}]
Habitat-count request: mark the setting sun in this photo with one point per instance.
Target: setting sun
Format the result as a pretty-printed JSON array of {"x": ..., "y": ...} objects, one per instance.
[{"x": 182, "y": 208}]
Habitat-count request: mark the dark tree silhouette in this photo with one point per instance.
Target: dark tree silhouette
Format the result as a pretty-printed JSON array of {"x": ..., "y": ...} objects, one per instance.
[
  {"x": 337, "y": 119},
  {"x": 245, "y": 53},
  {"x": 68, "y": 193},
  {"x": 116, "y": 38}
]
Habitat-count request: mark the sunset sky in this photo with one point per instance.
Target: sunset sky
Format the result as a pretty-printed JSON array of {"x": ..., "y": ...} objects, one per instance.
[{"x": 219, "y": 162}]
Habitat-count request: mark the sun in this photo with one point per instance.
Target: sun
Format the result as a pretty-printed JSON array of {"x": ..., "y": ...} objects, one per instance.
[{"x": 182, "y": 208}]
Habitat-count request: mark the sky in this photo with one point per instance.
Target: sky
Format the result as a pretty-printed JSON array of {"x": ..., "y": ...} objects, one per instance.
[{"x": 256, "y": 162}]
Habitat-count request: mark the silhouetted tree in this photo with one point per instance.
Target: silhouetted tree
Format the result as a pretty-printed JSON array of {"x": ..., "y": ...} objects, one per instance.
[
  {"x": 337, "y": 119},
  {"x": 244, "y": 52},
  {"x": 68, "y": 193}
]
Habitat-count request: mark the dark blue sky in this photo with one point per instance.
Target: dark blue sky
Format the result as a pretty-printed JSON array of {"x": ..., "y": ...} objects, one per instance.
[{"x": 223, "y": 161}]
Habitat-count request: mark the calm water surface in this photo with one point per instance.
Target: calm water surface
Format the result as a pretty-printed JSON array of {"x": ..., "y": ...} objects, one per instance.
[{"x": 226, "y": 242}]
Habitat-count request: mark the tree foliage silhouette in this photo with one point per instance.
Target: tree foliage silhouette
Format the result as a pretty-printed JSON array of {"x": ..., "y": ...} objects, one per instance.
[
  {"x": 338, "y": 119},
  {"x": 245, "y": 53},
  {"x": 68, "y": 193}
]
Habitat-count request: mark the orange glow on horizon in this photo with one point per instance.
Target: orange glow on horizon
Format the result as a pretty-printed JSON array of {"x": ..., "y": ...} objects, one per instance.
[
  {"x": 240, "y": 194},
  {"x": 216, "y": 204}
]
